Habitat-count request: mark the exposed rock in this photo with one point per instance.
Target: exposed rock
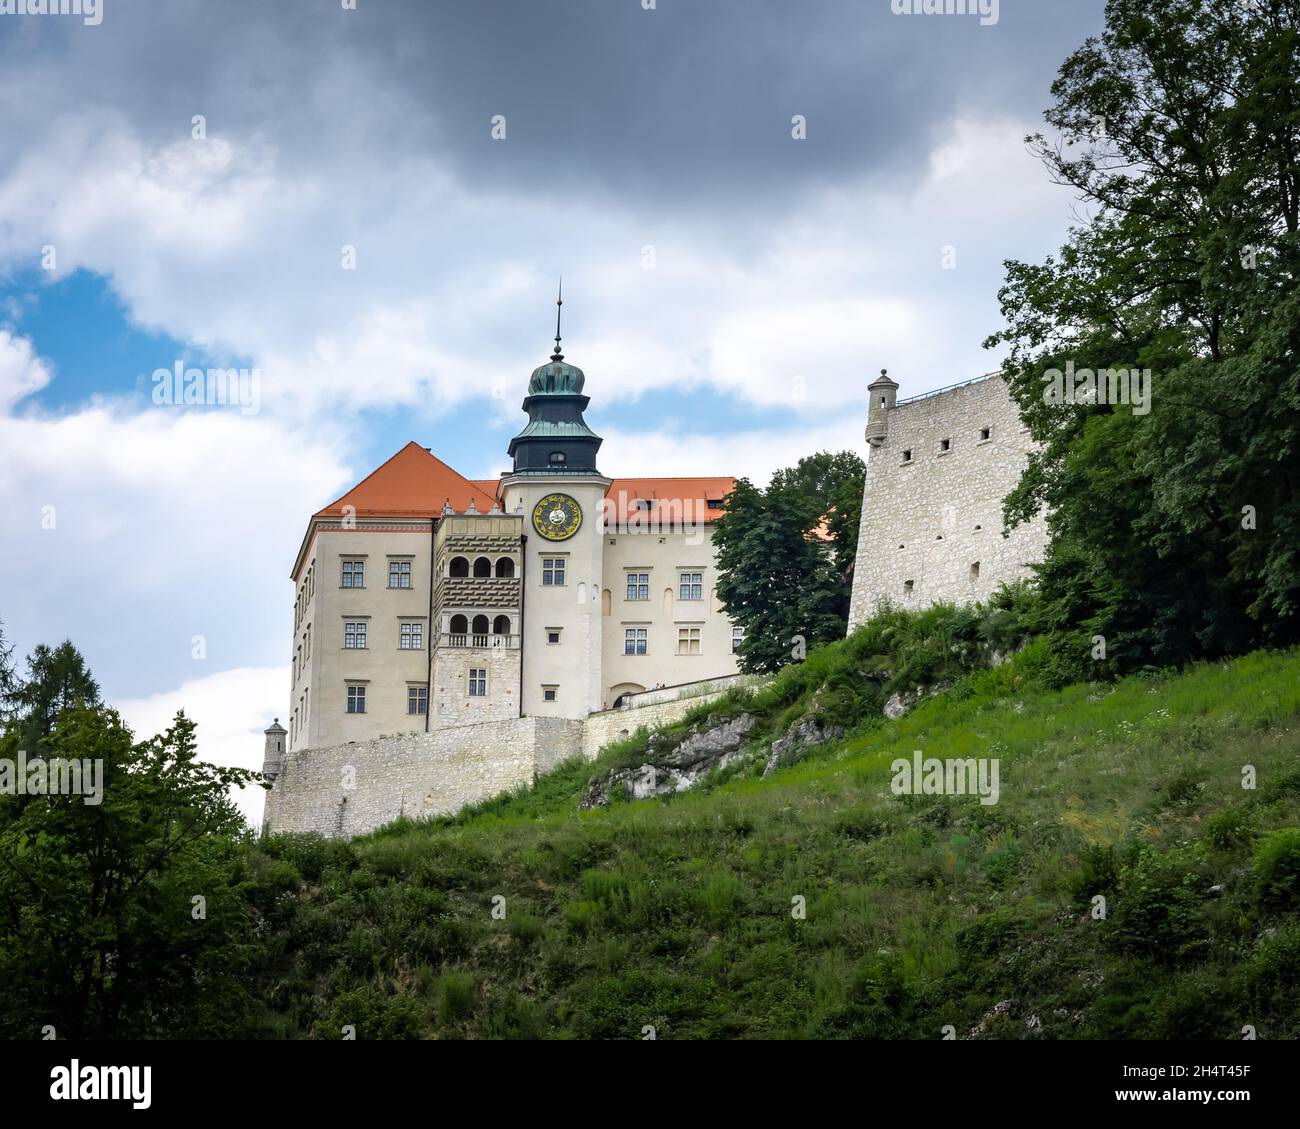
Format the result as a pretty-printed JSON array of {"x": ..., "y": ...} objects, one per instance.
[
  {"x": 901, "y": 701},
  {"x": 805, "y": 733},
  {"x": 679, "y": 762}
]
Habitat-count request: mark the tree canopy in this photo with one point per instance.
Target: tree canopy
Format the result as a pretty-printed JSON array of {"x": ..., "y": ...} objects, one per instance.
[
  {"x": 779, "y": 577},
  {"x": 1174, "y": 534}
]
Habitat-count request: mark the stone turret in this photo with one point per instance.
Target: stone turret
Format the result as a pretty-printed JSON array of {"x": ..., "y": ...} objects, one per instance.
[
  {"x": 882, "y": 394},
  {"x": 273, "y": 756}
]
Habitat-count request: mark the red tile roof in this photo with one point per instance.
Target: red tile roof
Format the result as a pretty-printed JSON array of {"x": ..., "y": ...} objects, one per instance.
[
  {"x": 668, "y": 498},
  {"x": 413, "y": 483}
]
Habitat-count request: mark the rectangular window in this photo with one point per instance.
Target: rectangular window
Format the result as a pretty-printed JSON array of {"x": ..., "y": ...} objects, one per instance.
[
  {"x": 553, "y": 635},
  {"x": 688, "y": 640},
  {"x": 690, "y": 586},
  {"x": 399, "y": 574},
  {"x": 354, "y": 574},
  {"x": 737, "y": 637},
  {"x": 354, "y": 635},
  {"x": 417, "y": 699},
  {"x": 478, "y": 682},
  {"x": 638, "y": 586},
  {"x": 553, "y": 571},
  {"x": 986, "y": 433},
  {"x": 548, "y": 693},
  {"x": 356, "y": 699},
  {"x": 634, "y": 639},
  {"x": 412, "y": 637}
]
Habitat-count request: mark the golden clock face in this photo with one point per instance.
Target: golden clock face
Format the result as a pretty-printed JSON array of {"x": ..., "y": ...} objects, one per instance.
[{"x": 557, "y": 517}]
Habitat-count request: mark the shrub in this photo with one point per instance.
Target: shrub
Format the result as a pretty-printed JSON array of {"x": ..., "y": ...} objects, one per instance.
[
  {"x": 1160, "y": 910},
  {"x": 1277, "y": 866},
  {"x": 1230, "y": 827},
  {"x": 455, "y": 992}
]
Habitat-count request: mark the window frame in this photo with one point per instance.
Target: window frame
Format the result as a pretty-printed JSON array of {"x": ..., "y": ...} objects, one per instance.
[
  {"x": 401, "y": 567},
  {"x": 553, "y": 567},
  {"x": 353, "y": 568}
]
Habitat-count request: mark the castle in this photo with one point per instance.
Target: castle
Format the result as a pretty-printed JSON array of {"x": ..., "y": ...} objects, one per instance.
[{"x": 455, "y": 638}]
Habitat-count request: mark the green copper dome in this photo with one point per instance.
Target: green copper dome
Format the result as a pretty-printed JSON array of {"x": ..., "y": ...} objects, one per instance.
[{"x": 556, "y": 377}]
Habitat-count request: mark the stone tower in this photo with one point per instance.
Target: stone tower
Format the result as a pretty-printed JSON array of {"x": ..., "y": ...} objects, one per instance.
[
  {"x": 273, "y": 754},
  {"x": 555, "y": 485}
]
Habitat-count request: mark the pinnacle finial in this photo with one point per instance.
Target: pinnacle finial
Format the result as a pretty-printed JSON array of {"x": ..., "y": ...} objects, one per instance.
[{"x": 559, "y": 301}]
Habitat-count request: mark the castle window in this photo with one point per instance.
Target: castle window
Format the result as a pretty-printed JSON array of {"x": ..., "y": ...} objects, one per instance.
[
  {"x": 986, "y": 433},
  {"x": 907, "y": 454},
  {"x": 638, "y": 586},
  {"x": 459, "y": 625},
  {"x": 688, "y": 640},
  {"x": 459, "y": 567},
  {"x": 557, "y": 458},
  {"x": 354, "y": 635},
  {"x": 978, "y": 528},
  {"x": 945, "y": 445},
  {"x": 549, "y": 693},
  {"x": 975, "y": 571},
  {"x": 477, "y": 682},
  {"x": 690, "y": 586},
  {"x": 902, "y": 546},
  {"x": 412, "y": 637},
  {"x": 737, "y": 637},
  {"x": 505, "y": 567},
  {"x": 553, "y": 571},
  {"x": 552, "y": 635},
  {"x": 480, "y": 628},
  {"x": 501, "y": 625},
  {"x": 907, "y": 587},
  {"x": 399, "y": 574},
  {"x": 482, "y": 567},
  {"x": 417, "y": 699},
  {"x": 356, "y": 699},
  {"x": 634, "y": 640}
]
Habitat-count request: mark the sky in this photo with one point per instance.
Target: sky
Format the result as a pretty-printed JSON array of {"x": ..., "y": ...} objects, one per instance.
[{"x": 755, "y": 206}]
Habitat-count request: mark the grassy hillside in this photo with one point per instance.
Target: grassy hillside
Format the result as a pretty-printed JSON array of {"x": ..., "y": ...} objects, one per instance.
[{"x": 921, "y": 912}]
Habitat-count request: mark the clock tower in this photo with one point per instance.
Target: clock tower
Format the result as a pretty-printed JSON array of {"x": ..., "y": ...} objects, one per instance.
[{"x": 557, "y": 487}]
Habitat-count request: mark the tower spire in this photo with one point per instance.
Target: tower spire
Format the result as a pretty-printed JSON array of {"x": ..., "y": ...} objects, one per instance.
[{"x": 559, "y": 301}]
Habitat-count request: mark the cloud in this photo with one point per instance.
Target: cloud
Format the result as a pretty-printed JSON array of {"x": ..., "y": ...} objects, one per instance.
[
  {"x": 22, "y": 372},
  {"x": 134, "y": 532}
]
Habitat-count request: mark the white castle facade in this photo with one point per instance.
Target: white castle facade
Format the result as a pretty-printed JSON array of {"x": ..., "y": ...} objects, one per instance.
[{"x": 454, "y": 638}]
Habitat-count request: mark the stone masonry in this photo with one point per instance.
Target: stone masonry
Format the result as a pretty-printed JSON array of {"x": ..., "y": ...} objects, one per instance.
[
  {"x": 356, "y": 787},
  {"x": 938, "y": 468}
]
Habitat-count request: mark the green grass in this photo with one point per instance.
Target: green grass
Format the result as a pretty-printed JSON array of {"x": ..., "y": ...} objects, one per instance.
[{"x": 917, "y": 912}]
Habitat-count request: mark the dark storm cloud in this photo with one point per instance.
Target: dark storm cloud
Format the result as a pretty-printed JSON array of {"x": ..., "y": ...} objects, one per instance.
[{"x": 688, "y": 104}]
